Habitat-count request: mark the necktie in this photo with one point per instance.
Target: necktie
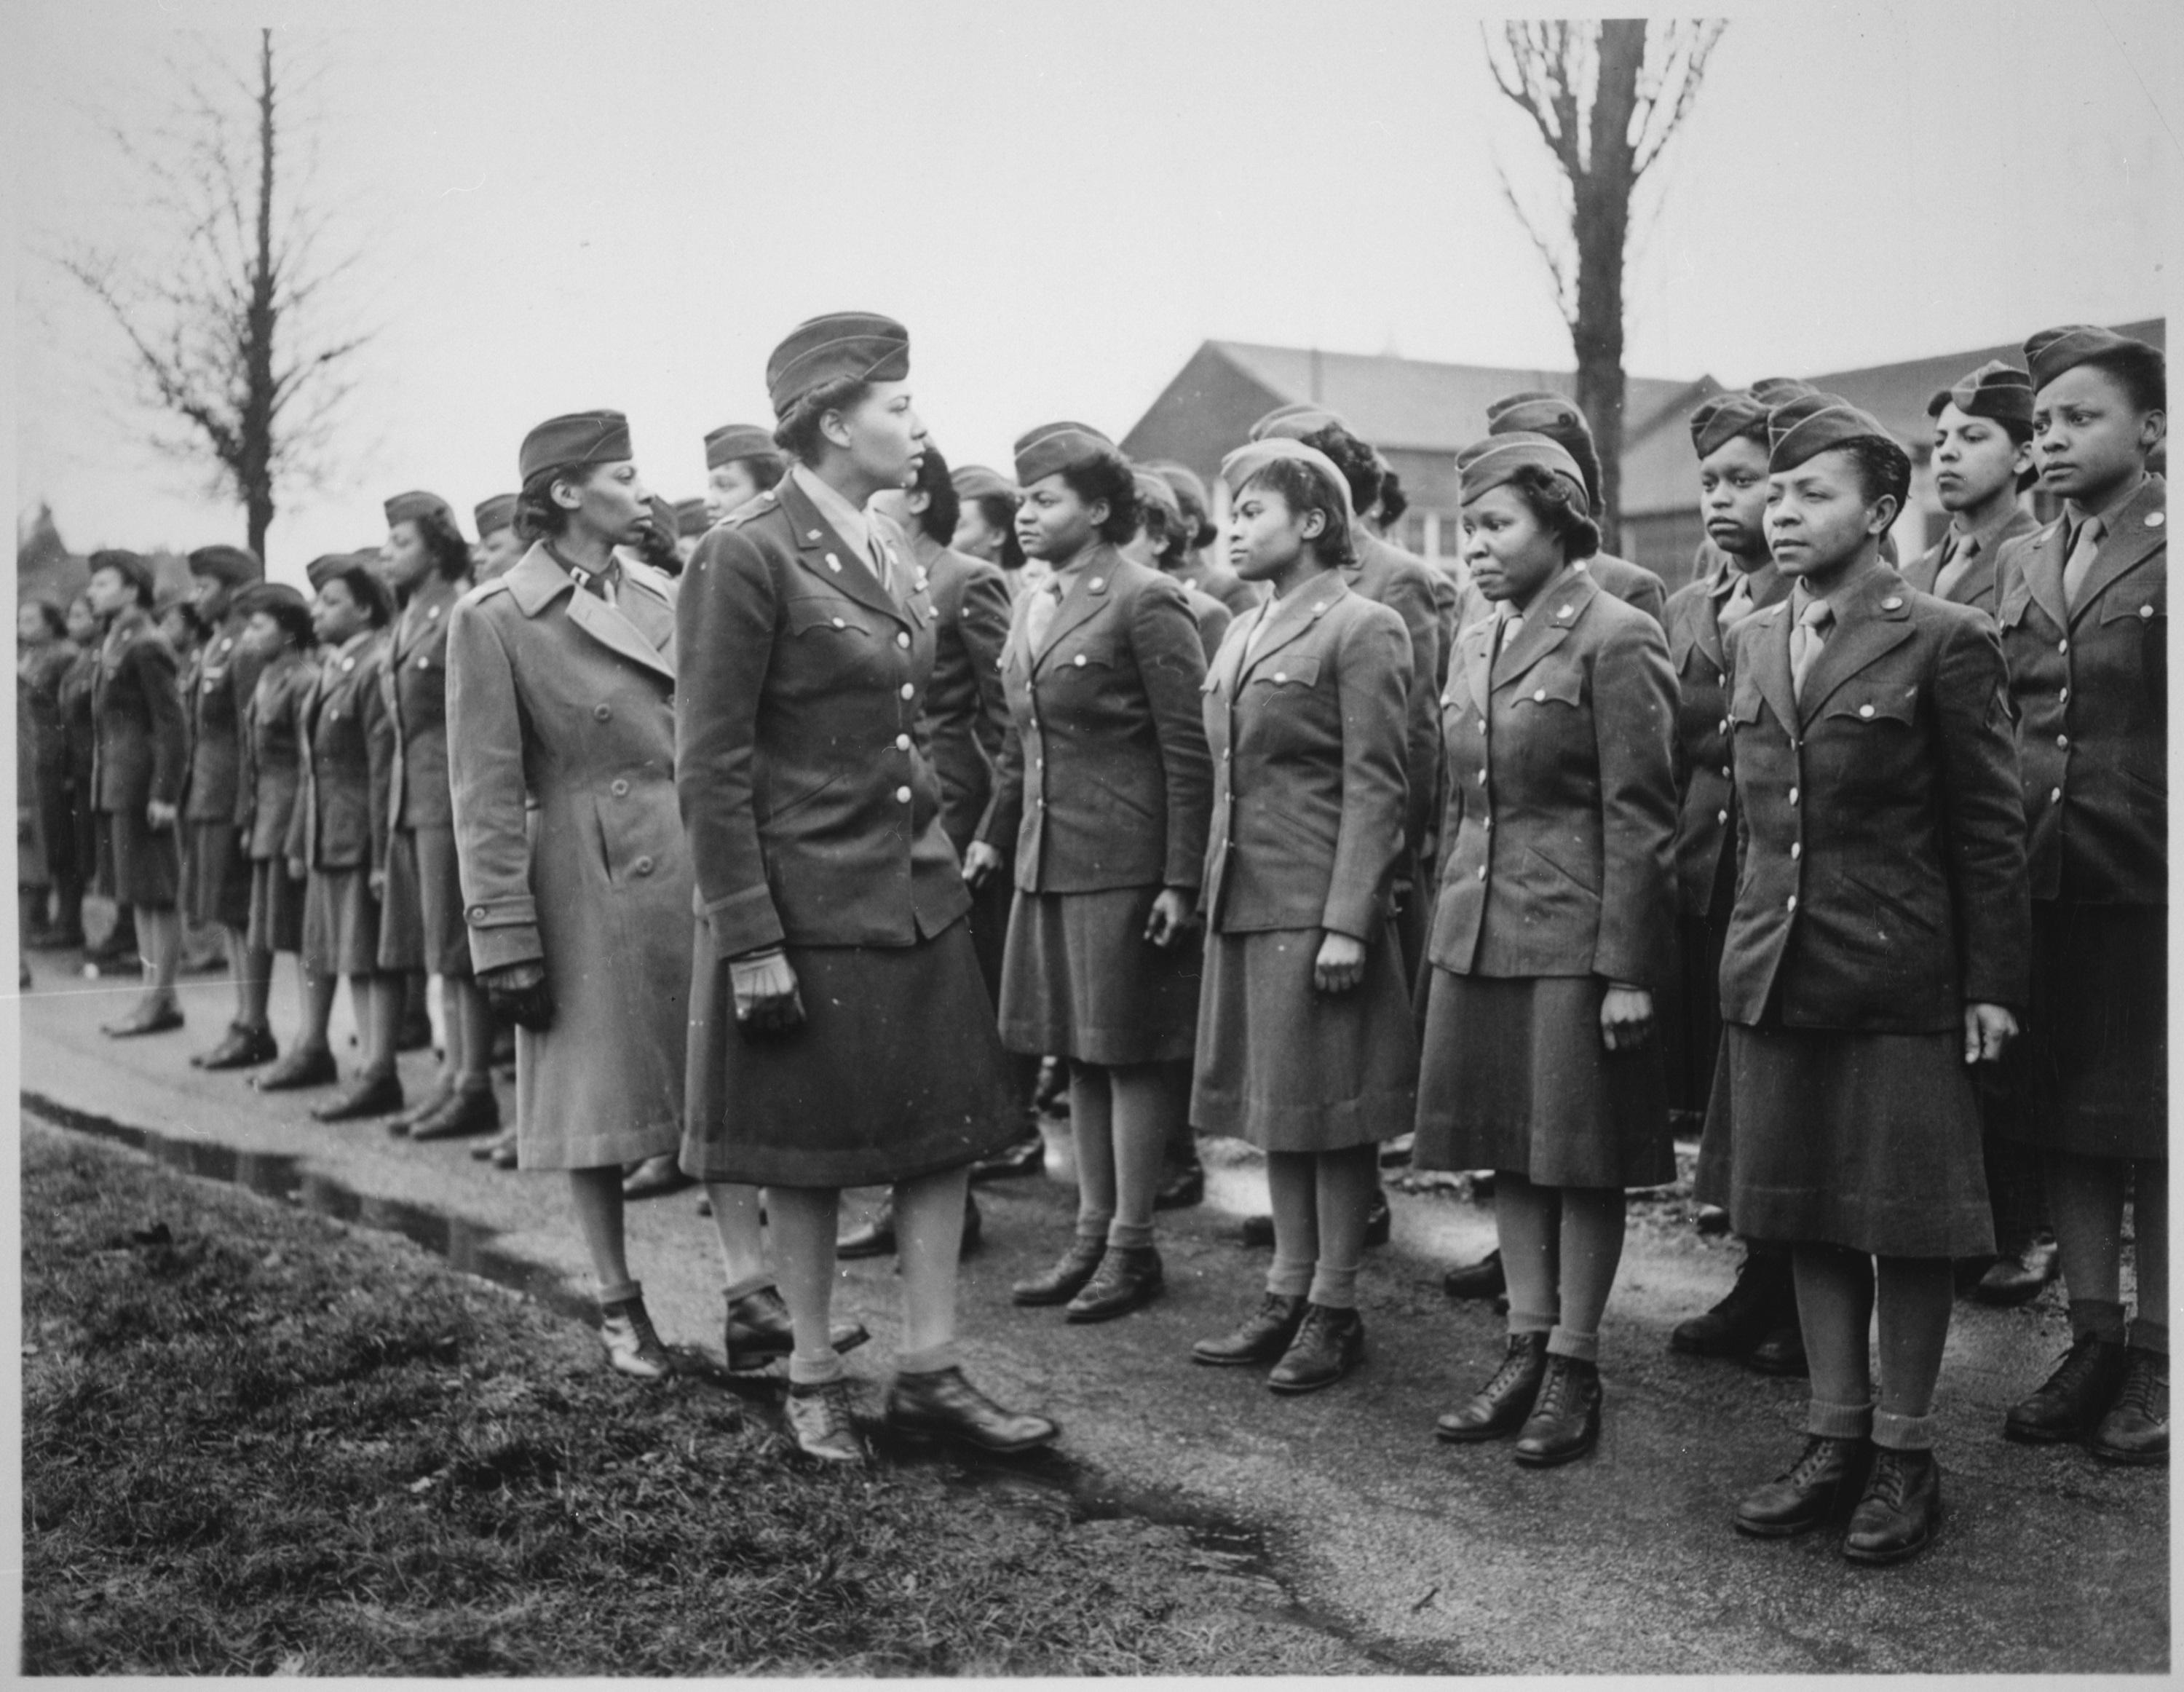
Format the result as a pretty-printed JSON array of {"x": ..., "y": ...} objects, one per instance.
[
  {"x": 2080, "y": 564},
  {"x": 883, "y": 566},
  {"x": 1806, "y": 640},
  {"x": 1737, "y": 606},
  {"x": 1039, "y": 615},
  {"x": 1955, "y": 566},
  {"x": 1512, "y": 625}
]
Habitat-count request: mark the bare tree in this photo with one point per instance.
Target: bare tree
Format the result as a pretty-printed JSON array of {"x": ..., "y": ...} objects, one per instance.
[
  {"x": 220, "y": 325},
  {"x": 1607, "y": 97}
]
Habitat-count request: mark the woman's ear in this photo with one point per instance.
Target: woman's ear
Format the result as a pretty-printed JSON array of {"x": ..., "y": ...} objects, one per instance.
[
  {"x": 565, "y": 496},
  {"x": 1099, "y": 511},
  {"x": 1314, "y": 525},
  {"x": 835, "y": 429},
  {"x": 1886, "y": 510}
]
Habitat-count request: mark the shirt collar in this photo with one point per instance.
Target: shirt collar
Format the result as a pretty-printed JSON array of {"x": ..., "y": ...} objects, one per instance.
[
  {"x": 1983, "y": 535},
  {"x": 848, "y": 521},
  {"x": 2107, "y": 513}
]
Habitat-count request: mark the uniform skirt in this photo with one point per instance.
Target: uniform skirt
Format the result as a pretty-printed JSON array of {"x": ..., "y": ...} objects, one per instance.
[
  {"x": 1081, "y": 980},
  {"x": 341, "y": 923},
  {"x": 215, "y": 876},
  {"x": 2090, "y": 1074},
  {"x": 894, "y": 1072},
  {"x": 276, "y": 907},
  {"x": 1291, "y": 1068},
  {"x": 1514, "y": 1077},
  {"x": 143, "y": 865},
  {"x": 421, "y": 926},
  {"x": 1869, "y": 1141}
]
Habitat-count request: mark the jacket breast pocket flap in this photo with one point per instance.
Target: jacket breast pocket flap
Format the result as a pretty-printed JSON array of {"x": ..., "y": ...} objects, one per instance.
[
  {"x": 1098, "y": 649},
  {"x": 1550, "y": 685},
  {"x": 1897, "y": 704},
  {"x": 1293, "y": 672},
  {"x": 2130, "y": 601},
  {"x": 1744, "y": 705},
  {"x": 2011, "y": 610},
  {"x": 823, "y": 616}
]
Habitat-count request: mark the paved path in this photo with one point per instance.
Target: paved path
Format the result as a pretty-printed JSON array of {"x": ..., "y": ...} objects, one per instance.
[{"x": 1440, "y": 1559}]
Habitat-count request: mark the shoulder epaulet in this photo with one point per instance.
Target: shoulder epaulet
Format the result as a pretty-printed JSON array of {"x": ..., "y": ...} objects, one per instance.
[{"x": 758, "y": 507}]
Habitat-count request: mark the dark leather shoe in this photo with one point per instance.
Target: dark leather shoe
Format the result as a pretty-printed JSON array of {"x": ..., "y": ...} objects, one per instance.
[
  {"x": 1330, "y": 1343},
  {"x": 1051, "y": 1095},
  {"x": 145, "y": 1020},
  {"x": 243, "y": 1048},
  {"x": 478, "y": 1113},
  {"x": 942, "y": 1404},
  {"x": 1396, "y": 1152},
  {"x": 1263, "y": 1338},
  {"x": 373, "y": 1095},
  {"x": 401, "y": 1125},
  {"x": 1782, "y": 1352},
  {"x": 414, "y": 1034},
  {"x": 1901, "y": 1510},
  {"x": 2017, "y": 1277},
  {"x": 1712, "y": 1221},
  {"x": 1027, "y": 1156},
  {"x": 633, "y": 1345},
  {"x": 1185, "y": 1186},
  {"x": 1380, "y": 1221},
  {"x": 757, "y": 1330},
  {"x": 303, "y": 1067},
  {"x": 1071, "y": 1273},
  {"x": 484, "y": 1150},
  {"x": 1565, "y": 1420},
  {"x": 1753, "y": 1308},
  {"x": 2071, "y": 1402},
  {"x": 822, "y": 1421},
  {"x": 1481, "y": 1280},
  {"x": 654, "y": 1178},
  {"x": 120, "y": 948},
  {"x": 505, "y": 1153},
  {"x": 2136, "y": 1429},
  {"x": 1127, "y": 1279},
  {"x": 874, "y": 1237},
  {"x": 1259, "y": 1231},
  {"x": 1819, "y": 1488},
  {"x": 1499, "y": 1408}
]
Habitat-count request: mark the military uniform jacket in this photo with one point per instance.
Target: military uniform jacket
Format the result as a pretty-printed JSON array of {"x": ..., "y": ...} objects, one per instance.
[
  {"x": 967, "y": 714},
  {"x": 1557, "y": 845},
  {"x": 1413, "y": 590},
  {"x": 1706, "y": 797},
  {"x": 272, "y": 779},
  {"x": 43, "y": 672},
  {"x": 347, "y": 747},
  {"x": 2091, "y": 685},
  {"x": 1309, "y": 790},
  {"x": 1880, "y": 852},
  {"x": 416, "y": 684},
  {"x": 1976, "y": 587},
  {"x": 78, "y": 683},
  {"x": 1212, "y": 617},
  {"x": 813, "y": 810},
  {"x": 1104, "y": 781},
  {"x": 141, "y": 751},
  {"x": 220, "y": 685}
]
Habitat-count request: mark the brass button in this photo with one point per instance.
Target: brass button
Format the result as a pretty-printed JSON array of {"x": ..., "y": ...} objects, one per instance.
[
  {"x": 602, "y": 712},
  {"x": 2062, "y": 646},
  {"x": 909, "y": 692},
  {"x": 902, "y": 795},
  {"x": 1721, "y": 816},
  {"x": 1793, "y": 901},
  {"x": 1540, "y": 696},
  {"x": 839, "y": 624},
  {"x": 1797, "y": 851},
  {"x": 1080, "y": 660},
  {"x": 1793, "y": 796},
  {"x": 1865, "y": 710},
  {"x": 2055, "y": 798},
  {"x": 1486, "y": 823},
  {"x": 902, "y": 743},
  {"x": 618, "y": 788},
  {"x": 2063, "y": 740},
  {"x": 642, "y": 866},
  {"x": 1725, "y": 772},
  {"x": 901, "y": 639},
  {"x": 1482, "y": 872}
]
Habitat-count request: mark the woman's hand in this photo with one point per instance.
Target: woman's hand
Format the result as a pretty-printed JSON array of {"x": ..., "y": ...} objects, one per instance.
[
  {"x": 1341, "y": 964},
  {"x": 981, "y": 862},
  {"x": 159, "y": 814},
  {"x": 766, "y": 998},
  {"x": 1626, "y": 1017},
  {"x": 377, "y": 881},
  {"x": 1172, "y": 918},
  {"x": 1988, "y": 1030},
  {"x": 519, "y": 993},
  {"x": 298, "y": 870}
]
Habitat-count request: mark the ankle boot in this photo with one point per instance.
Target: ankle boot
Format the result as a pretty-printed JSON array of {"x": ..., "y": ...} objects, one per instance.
[
  {"x": 633, "y": 1345},
  {"x": 1901, "y": 1510},
  {"x": 1751, "y": 1309},
  {"x": 1500, "y": 1407},
  {"x": 1330, "y": 1343},
  {"x": 1129, "y": 1276},
  {"x": 1565, "y": 1420},
  {"x": 2071, "y": 1402},
  {"x": 1820, "y": 1488},
  {"x": 1484, "y": 1279},
  {"x": 2136, "y": 1429},
  {"x": 1072, "y": 1270},
  {"x": 1261, "y": 1338}
]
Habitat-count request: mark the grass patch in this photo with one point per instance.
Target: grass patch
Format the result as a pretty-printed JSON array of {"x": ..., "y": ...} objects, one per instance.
[{"x": 256, "y": 1441}]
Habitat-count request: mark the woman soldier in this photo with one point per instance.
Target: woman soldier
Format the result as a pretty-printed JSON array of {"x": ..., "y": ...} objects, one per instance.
[
  {"x": 278, "y": 635},
  {"x": 742, "y": 462},
  {"x": 1207, "y": 574},
  {"x": 1878, "y": 931},
  {"x": 986, "y": 523},
  {"x": 1306, "y": 1046},
  {"x": 337, "y": 841},
  {"x": 2084, "y": 610},
  {"x": 141, "y": 753},
  {"x": 499, "y": 546},
  {"x": 1163, "y": 542},
  {"x": 1757, "y": 1321},
  {"x": 831, "y": 903},
  {"x": 427, "y": 564},
  {"x": 1551, "y": 933},
  {"x": 1106, "y": 786},
  {"x": 44, "y": 655},
  {"x": 78, "y": 685},
  {"x": 1551, "y": 414}
]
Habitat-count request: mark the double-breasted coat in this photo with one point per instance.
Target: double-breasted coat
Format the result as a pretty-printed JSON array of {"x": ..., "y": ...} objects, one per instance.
[
  {"x": 1556, "y": 882},
  {"x": 1976, "y": 587},
  {"x": 814, "y": 819},
  {"x": 561, "y": 766},
  {"x": 2090, "y": 684},
  {"x": 217, "y": 873},
  {"x": 1880, "y": 888},
  {"x": 1306, "y": 729},
  {"x": 141, "y": 753}
]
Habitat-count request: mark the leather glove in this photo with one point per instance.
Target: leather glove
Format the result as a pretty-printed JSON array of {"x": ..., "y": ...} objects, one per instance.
[{"x": 519, "y": 993}]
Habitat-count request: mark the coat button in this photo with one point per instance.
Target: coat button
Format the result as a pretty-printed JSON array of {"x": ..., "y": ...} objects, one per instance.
[
  {"x": 1727, "y": 774},
  {"x": 1797, "y": 849},
  {"x": 902, "y": 640},
  {"x": 477, "y": 913},
  {"x": 1097, "y": 584},
  {"x": 902, "y": 795},
  {"x": 908, "y": 690},
  {"x": 1721, "y": 816},
  {"x": 1793, "y": 901},
  {"x": 1793, "y": 796},
  {"x": 839, "y": 624},
  {"x": 602, "y": 712},
  {"x": 642, "y": 866},
  {"x": 618, "y": 788},
  {"x": 2055, "y": 798},
  {"x": 1482, "y": 872},
  {"x": 2062, "y": 697},
  {"x": 1281, "y": 674},
  {"x": 1540, "y": 696},
  {"x": 902, "y": 743},
  {"x": 1482, "y": 778},
  {"x": 1486, "y": 823},
  {"x": 1724, "y": 725},
  {"x": 2146, "y": 611},
  {"x": 2063, "y": 740},
  {"x": 1865, "y": 710},
  {"x": 1080, "y": 660},
  {"x": 2062, "y": 646}
]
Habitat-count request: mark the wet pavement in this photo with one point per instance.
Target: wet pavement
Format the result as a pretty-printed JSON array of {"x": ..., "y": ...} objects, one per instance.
[{"x": 1340, "y": 1507}]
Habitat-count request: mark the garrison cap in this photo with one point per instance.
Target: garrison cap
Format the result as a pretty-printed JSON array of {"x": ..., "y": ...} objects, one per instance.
[
  {"x": 496, "y": 513},
  {"x": 134, "y": 566},
  {"x": 573, "y": 441},
  {"x": 1153, "y": 489},
  {"x": 359, "y": 572},
  {"x": 1246, "y": 461},
  {"x": 233, "y": 565},
  {"x": 1054, "y": 447},
  {"x": 1536, "y": 412},
  {"x": 1996, "y": 390},
  {"x": 734, "y": 441},
  {"x": 859, "y": 346},
  {"x": 280, "y": 602},
  {"x": 690, "y": 518},
  {"x": 407, "y": 508},
  {"x": 1485, "y": 464},
  {"x": 2053, "y": 351},
  {"x": 1814, "y": 423},
  {"x": 328, "y": 565},
  {"x": 1717, "y": 421},
  {"x": 1188, "y": 489},
  {"x": 1773, "y": 391},
  {"x": 1297, "y": 420},
  {"x": 976, "y": 482}
]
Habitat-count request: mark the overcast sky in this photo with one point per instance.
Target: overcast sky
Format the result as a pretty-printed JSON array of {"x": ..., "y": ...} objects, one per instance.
[{"x": 562, "y": 205}]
